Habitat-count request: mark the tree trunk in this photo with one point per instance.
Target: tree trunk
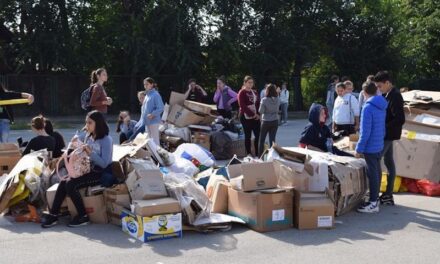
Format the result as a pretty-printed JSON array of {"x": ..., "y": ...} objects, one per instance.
[{"x": 296, "y": 78}]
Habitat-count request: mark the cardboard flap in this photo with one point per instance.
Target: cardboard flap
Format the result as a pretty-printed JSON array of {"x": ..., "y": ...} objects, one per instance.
[
  {"x": 177, "y": 98},
  {"x": 289, "y": 154}
]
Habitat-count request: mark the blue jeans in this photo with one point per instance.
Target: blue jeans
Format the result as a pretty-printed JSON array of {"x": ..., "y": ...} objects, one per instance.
[
  {"x": 389, "y": 163},
  {"x": 284, "y": 107},
  {"x": 374, "y": 173},
  {"x": 4, "y": 130}
]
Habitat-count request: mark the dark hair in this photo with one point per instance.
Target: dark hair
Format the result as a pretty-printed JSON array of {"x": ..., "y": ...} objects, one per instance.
[
  {"x": 345, "y": 78},
  {"x": 48, "y": 127},
  {"x": 101, "y": 127},
  {"x": 271, "y": 90},
  {"x": 120, "y": 121},
  {"x": 370, "y": 77},
  {"x": 38, "y": 122},
  {"x": 191, "y": 80},
  {"x": 222, "y": 78},
  {"x": 151, "y": 81},
  {"x": 382, "y": 76},
  {"x": 369, "y": 88},
  {"x": 334, "y": 78},
  {"x": 95, "y": 74},
  {"x": 340, "y": 84}
]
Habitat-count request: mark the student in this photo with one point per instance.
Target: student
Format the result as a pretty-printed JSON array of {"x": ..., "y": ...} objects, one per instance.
[
  {"x": 269, "y": 116},
  {"x": 345, "y": 112},
  {"x": 250, "y": 119},
  {"x": 59, "y": 140},
  {"x": 317, "y": 134},
  {"x": 99, "y": 100},
  {"x": 99, "y": 146},
  {"x": 141, "y": 97},
  {"x": 349, "y": 86},
  {"x": 6, "y": 114},
  {"x": 195, "y": 92},
  {"x": 361, "y": 94},
  {"x": 331, "y": 96},
  {"x": 371, "y": 143},
  {"x": 151, "y": 111},
  {"x": 284, "y": 102},
  {"x": 125, "y": 126},
  {"x": 394, "y": 121},
  {"x": 224, "y": 97},
  {"x": 42, "y": 140}
]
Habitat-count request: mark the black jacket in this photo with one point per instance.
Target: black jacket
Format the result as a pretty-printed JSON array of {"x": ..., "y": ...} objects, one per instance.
[
  {"x": 395, "y": 115},
  {"x": 315, "y": 133}
]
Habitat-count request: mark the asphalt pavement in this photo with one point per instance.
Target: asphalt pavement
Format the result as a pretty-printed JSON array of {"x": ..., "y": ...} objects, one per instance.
[{"x": 406, "y": 233}]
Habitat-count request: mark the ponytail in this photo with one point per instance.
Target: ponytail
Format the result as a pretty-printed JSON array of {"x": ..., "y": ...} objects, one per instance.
[{"x": 95, "y": 74}]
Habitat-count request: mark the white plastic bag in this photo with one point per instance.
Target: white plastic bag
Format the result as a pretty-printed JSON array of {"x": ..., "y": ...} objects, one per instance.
[
  {"x": 183, "y": 166},
  {"x": 196, "y": 154}
]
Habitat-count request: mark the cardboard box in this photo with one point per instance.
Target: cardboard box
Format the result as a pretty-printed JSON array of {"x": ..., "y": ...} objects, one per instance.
[
  {"x": 114, "y": 212},
  {"x": 200, "y": 107},
  {"x": 182, "y": 117},
  {"x": 95, "y": 208},
  {"x": 50, "y": 196},
  {"x": 252, "y": 176},
  {"x": 313, "y": 211},
  {"x": 153, "y": 228},
  {"x": 417, "y": 156},
  {"x": 291, "y": 178},
  {"x": 202, "y": 139},
  {"x": 156, "y": 207},
  {"x": 263, "y": 211},
  {"x": 145, "y": 180},
  {"x": 9, "y": 157},
  {"x": 220, "y": 198},
  {"x": 118, "y": 194},
  {"x": 177, "y": 98}
]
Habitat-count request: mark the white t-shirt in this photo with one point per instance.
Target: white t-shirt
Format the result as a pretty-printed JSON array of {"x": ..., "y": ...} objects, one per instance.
[{"x": 346, "y": 108}]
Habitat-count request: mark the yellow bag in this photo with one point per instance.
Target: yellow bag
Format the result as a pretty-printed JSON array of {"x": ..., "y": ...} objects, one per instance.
[
  {"x": 20, "y": 193},
  {"x": 383, "y": 183}
]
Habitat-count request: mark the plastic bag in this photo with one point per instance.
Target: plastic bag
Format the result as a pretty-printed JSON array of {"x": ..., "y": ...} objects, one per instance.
[
  {"x": 196, "y": 154},
  {"x": 193, "y": 200},
  {"x": 183, "y": 166},
  {"x": 410, "y": 185},
  {"x": 428, "y": 188},
  {"x": 383, "y": 183},
  {"x": 180, "y": 132}
]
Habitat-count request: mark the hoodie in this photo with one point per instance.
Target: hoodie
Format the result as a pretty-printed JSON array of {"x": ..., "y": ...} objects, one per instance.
[
  {"x": 372, "y": 133},
  {"x": 315, "y": 133}
]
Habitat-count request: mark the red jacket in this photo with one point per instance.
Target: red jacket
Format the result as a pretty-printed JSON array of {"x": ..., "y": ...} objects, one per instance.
[
  {"x": 98, "y": 97},
  {"x": 246, "y": 99}
]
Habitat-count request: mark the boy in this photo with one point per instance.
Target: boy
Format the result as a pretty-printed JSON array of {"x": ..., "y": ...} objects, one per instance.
[
  {"x": 394, "y": 122},
  {"x": 345, "y": 112},
  {"x": 331, "y": 91},
  {"x": 371, "y": 142}
]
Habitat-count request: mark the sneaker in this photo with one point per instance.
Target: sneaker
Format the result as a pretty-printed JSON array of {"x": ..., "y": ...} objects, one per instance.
[
  {"x": 79, "y": 221},
  {"x": 371, "y": 207},
  {"x": 49, "y": 220},
  {"x": 386, "y": 199}
]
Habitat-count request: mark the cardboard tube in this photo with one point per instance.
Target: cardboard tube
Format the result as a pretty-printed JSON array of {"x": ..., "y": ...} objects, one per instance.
[{"x": 14, "y": 102}]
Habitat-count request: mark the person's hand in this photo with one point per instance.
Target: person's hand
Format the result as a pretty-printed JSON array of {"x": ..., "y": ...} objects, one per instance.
[
  {"x": 257, "y": 117},
  {"x": 357, "y": 155},
  {"x": 150, "y": 116},
  {"x": 87, "y": 149},
  {"x": 31, "y": 99},
  {"x": 127, "y": 120},
  {"x": 356, "y": 128}
]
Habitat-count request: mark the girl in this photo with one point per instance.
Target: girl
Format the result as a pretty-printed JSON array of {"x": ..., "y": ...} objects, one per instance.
[
  {"x": 99, "y": 100},
  {"x": 59, "y": 139},
  {"x": 6, "y": 115},
  {"x": 250, "y": 119},
  {"x": 99, "y": 147},
  {"x": 125, "y": 126},
  {"x": 42, "y": 140},
  {"x": 224, "y": 97},
  {"x": 152, "y": 108},
  {"x": 269, "y": 116}
]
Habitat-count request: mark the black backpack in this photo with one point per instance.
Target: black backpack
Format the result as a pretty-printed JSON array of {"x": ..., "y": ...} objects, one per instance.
[{"x": 86, "y": 95}]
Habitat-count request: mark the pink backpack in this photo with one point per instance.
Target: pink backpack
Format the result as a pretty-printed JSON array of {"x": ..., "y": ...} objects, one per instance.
[{"x": 77, "y": 164}]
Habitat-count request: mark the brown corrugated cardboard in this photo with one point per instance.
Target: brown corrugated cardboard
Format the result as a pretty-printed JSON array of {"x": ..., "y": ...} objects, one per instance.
[
  {"x": 200, "y": 107},
  {"x": 263, "y": 211},
  {"x": 182, "y": 117},
  {"x": 290, "y": 178},
  {"x": 145, "y": 180},
  {"x": 114, "y": 211},
  {"x": 220, "y": 198},
  {"x": 313, "y": 211},
  {"x": 95, "y": 208},
  {"x": 118, "y": 194},
  {"x": 416, "y": 122},
  {"x": 177, "y": 98},
  {"x": 9, "y": 157},
  {"x": 156, "y": 207},
  {"x": 417, "y": 156},
  {"x": 50, "y": 196},
  {"x": 253, "y": 176}
]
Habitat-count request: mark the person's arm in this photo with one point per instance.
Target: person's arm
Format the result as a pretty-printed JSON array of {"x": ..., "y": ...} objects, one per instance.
[
  {"x": 233, "y": 96},
  {"x": 217, "y": 96},
  {"x": 187, "y": 93},
  {"x": 30, "y": 146},
  {"x": 105, "y": 158},
  {"x": 28, "y": 96},
  {"x": 355, "y": 108},
  {"x": 202, "y": 90},
  {"x": 158, "y": 109},
  {"x": 262, "y": 108},
  {"x": 397, "y": 112},
  {"x": 329, "y": 102},
  {"x": 366, "y": 126}
]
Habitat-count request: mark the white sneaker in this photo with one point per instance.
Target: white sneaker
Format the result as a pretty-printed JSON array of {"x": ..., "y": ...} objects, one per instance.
[{"x": 371, "y": 207}]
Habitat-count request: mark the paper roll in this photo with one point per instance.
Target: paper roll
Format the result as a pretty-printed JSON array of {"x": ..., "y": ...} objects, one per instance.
[{"x": 14, "y": 102}]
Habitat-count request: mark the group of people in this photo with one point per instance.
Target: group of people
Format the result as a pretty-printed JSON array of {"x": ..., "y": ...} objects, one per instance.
[{"x": 379, "y": 118}]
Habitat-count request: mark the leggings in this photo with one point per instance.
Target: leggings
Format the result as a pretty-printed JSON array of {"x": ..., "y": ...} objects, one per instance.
[
  {"x": 267, "y": 127},
  {"x": 71, "y": 188},
  {"x": 249, "y": 126}
]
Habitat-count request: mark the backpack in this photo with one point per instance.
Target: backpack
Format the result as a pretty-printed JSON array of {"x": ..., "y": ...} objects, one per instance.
[
  {"x": 77, "y": 163},
  {"x": 86, "y": 95}
]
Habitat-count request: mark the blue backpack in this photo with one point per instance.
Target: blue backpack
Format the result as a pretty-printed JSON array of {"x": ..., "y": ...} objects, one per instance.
[{"x": 86, "y": 95}]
